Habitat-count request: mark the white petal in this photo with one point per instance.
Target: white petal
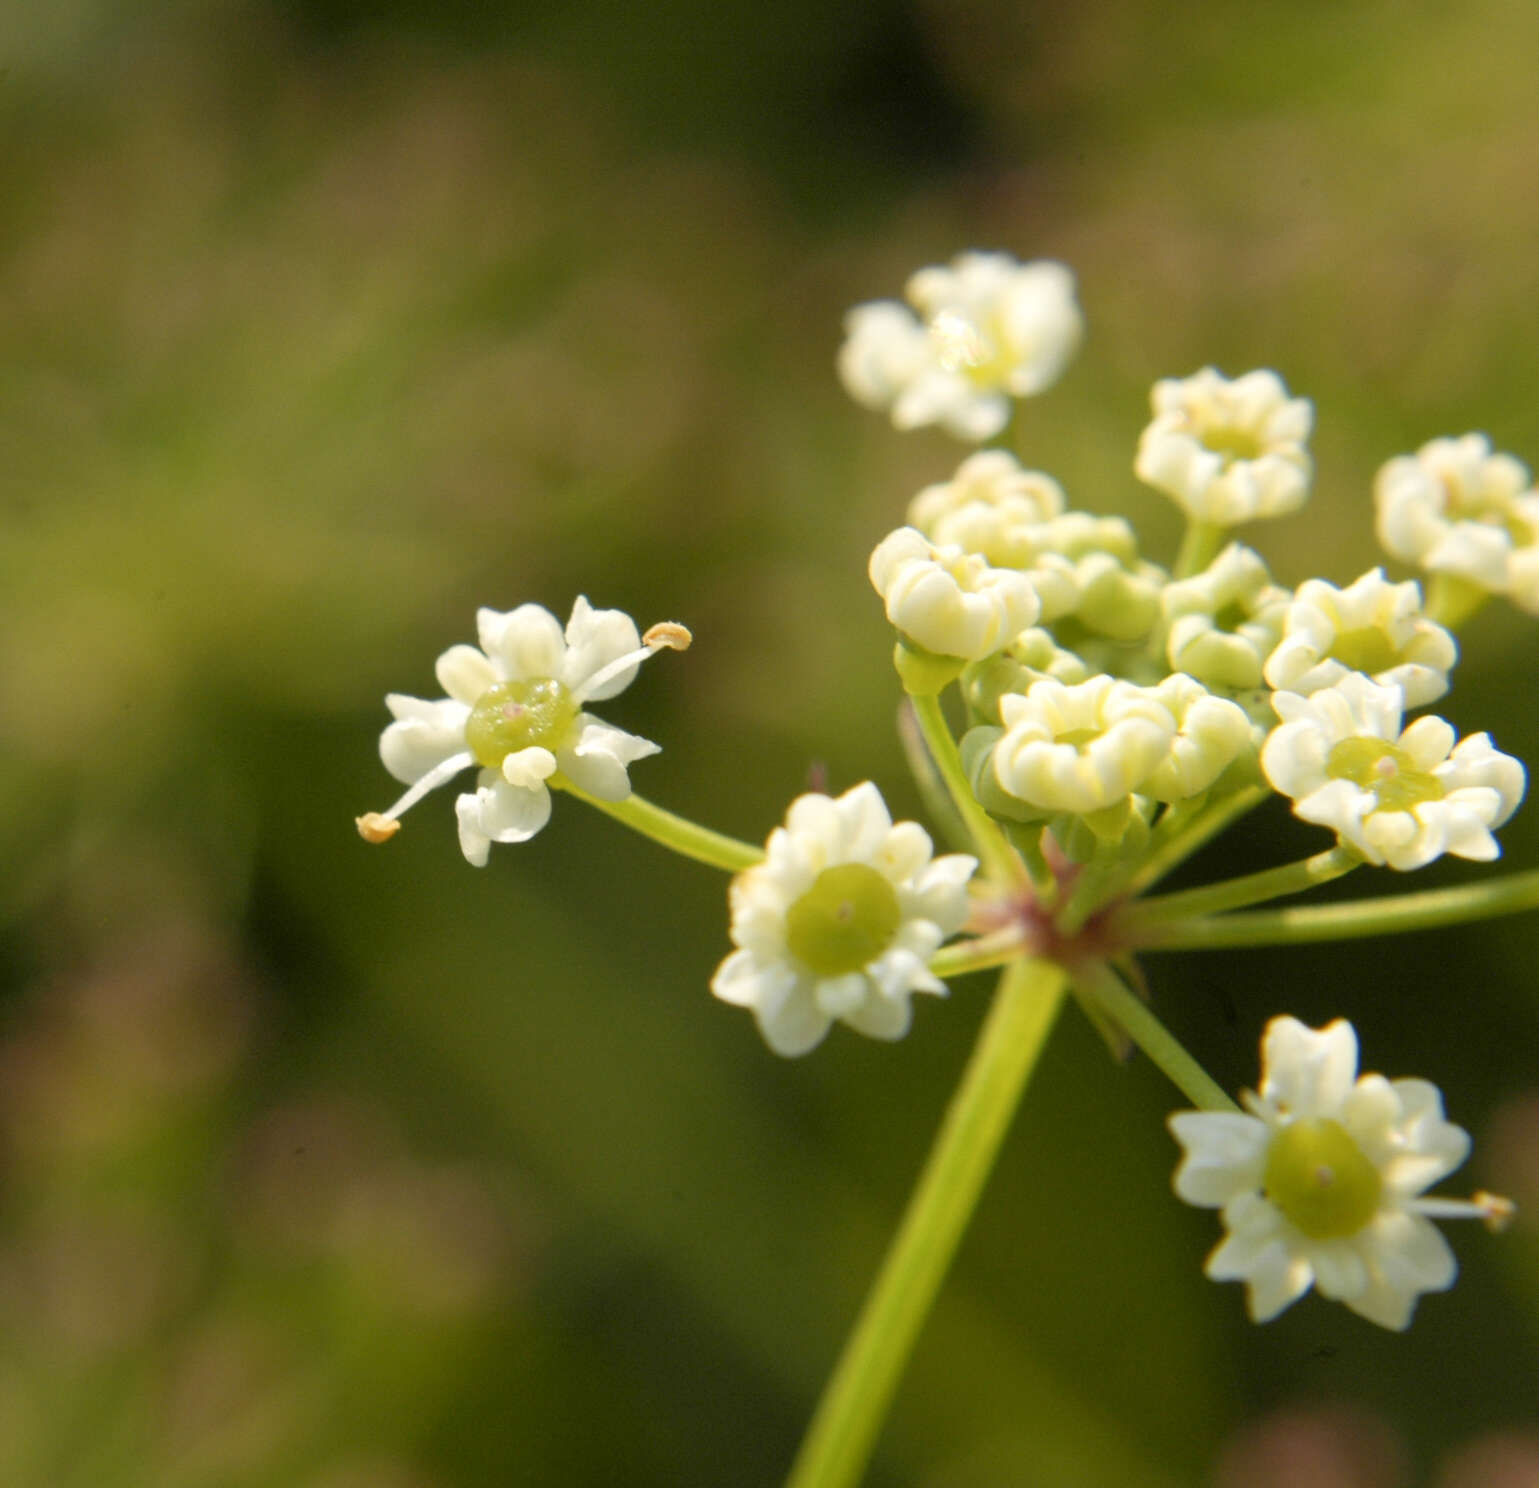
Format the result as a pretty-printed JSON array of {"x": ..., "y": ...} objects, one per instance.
[
  {"x": 1225, "y": 1155},
  {"x": 1308, "y": 1071},
  {"x": 465, "y": 673},
  {"x": 594, "y": 638},
  {"x": 423, "y": 736},
  {"x": 524, "y": 643},
  {"x": 597, "y": 763},
  {"x": 504, "y": 813},
  {"x": 795, "y": 1027},
  {"x": 881, "y": 1017}
]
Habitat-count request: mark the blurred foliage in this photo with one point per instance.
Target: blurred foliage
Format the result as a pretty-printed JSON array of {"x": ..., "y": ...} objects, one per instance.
[{"x": 327, "y": 323}]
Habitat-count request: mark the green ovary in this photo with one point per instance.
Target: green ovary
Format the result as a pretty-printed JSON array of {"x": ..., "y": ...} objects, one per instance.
[
  {"x": 844, "y": 921},
  {"x": 1232, "y": 442},
  {"x": 1386, "y": 770},
  {"x": 1320, "y": 1179},
  {"x": 1366, "y": 650},
  {"x": 518, "y": 715}
]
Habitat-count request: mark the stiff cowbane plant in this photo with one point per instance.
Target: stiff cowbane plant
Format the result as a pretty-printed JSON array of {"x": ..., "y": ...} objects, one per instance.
[{"x": 1081, "y": 721}]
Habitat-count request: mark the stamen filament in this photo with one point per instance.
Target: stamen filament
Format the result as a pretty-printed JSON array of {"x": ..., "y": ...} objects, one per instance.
[{"x": 374, "y": 826}]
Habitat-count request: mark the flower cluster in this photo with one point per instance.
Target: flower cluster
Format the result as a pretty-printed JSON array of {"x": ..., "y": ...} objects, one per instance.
[{"x": 1114, "y": 715}]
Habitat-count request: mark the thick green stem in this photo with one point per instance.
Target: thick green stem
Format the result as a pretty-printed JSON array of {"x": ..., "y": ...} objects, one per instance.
[
  {"x": 844, "y": 1428},
  {"x": 998, "y": 857},
  {"x": 674, "y": 832},
  {"x": 1395, "y": 915},
  {"x": 1236, "y": 893},
  {"x": 1103, "y": 988}
]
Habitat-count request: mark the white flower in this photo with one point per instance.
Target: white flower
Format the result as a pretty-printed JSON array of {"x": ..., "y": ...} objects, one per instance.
[
  {"x": 1211, "y": 733},
  {"x": 1224, "y": 622},
  {"x": 989, "y": 329},
  {"x": 515, "y": 707},
  {"x": 1320, "y": 1185},
  {"x": 840, "y": 921},
  {"x": 1227, "y": 451},
  {"x": 1080, "y": 749},
  {"x": 948, "y": 601},
  {"x": 1373, "y": 627},
  {"x": 1455, "y": 508},
  {"x": 991, "y": 506},
  {"x": 1398, "y": 798}
]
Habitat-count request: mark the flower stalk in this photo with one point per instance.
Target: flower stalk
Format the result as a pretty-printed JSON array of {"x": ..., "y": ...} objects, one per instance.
[{"x": 843, "y": 1432}]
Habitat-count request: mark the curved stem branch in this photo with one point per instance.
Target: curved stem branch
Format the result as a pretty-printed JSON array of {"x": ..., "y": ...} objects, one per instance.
[
  {"x": 1392, "y": 915},
  {"x": 998, "y": 857},
  {"x": 677, "y": 833},
  {"x": 1236, "y": 893}
]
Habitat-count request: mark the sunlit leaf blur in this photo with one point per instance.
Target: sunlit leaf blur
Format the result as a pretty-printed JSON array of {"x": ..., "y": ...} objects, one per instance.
[{"x": 330, "y": 1166}]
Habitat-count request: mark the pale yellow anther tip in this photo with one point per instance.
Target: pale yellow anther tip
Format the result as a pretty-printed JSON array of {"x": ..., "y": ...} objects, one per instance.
[
  {"x": 668, "y": 635},
  {"x": 373, "y": 827},
  {"x": 1496, "y": 1212}
]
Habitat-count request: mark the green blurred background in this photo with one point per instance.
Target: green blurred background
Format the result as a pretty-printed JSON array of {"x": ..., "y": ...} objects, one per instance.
[{"x": 325, "y": 323}]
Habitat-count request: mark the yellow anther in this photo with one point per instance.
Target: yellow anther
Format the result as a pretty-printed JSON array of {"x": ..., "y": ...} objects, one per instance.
[
  {"x": 373, "y": 827},
  {"x": 667, "y": 635}
]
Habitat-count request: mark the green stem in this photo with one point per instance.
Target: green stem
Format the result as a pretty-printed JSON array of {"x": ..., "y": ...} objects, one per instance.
[
  {"x": 1173, "y": 846},
  {"x": 676, "y": 833},
  {"x": 1102, "y": 987},
  {"x": 1235, "y": 893},
  {"x": 843, "y": 1432},
  {"x": 1393, "y": 915},
  {"x": 1199, "y": 547},
  {"x": 998, "y": 857},
  {"x": 927, "y": 776}
]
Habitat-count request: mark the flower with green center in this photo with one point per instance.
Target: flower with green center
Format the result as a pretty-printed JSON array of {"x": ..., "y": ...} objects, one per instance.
[
  {"x": 1222, "y": 624},
  {"x": 988, "y": 329},
  {"x": 1321, "y": 1183},
  {"x": 516, "y": 709},
  {"x": 1227, "y": 451},
  {"x": 948, "y": 601},
  {"x": 1371, "y": 626},
  {"x": 839, "y": 921},
  {"x": 1400, "y": 798},
  {"x": 1456, "y": 508}
]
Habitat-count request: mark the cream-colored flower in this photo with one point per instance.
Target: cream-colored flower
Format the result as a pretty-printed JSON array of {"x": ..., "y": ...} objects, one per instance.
[
  {"x": 1222, "y": 624},
  {"x": 1398, "y": 797},
  {"x": 515, "y": 708},
  {"x": 1211, "y": 734},
  {"x": 1080, "y": 749},
  {"x": 989, "y": 329},
  {"x": 1321, "y": 1183},
  {"x": 839, "y": 921},
  {"x": 1228, "y": 451},
  {"x": 949, "y": 601},
  {"x": 1455, "y": 508},
  {"x": 1371, "y": 626},
  {"x": 991, "y": 507}
]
